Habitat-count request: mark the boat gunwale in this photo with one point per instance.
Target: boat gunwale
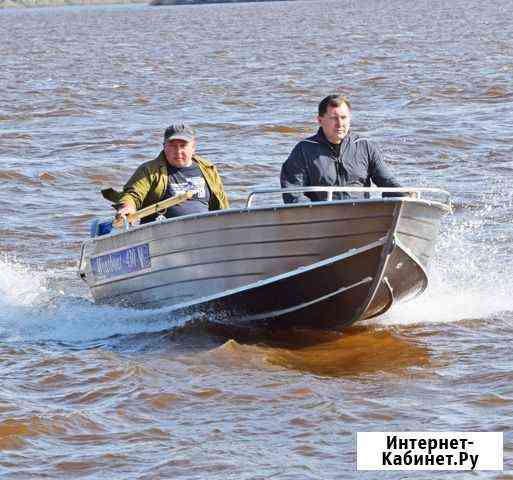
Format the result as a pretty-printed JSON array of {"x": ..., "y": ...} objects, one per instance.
[{"x": 229, "y": 211}]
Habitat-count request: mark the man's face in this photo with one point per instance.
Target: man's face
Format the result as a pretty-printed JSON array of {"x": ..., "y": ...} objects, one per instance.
[
  {"x": 335, "y": 123},
  {"x": 179, "y": 152}
]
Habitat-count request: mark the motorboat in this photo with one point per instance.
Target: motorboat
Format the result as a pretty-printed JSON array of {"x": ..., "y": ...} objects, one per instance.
[{"x": 325, "y": 264}]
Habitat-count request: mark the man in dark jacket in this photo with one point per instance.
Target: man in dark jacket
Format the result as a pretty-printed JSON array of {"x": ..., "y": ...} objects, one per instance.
[{"x": 334, "y": 156}]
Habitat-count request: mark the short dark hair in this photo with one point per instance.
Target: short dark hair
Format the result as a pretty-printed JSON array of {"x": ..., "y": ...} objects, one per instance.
[{"x": 332, "y": 101}]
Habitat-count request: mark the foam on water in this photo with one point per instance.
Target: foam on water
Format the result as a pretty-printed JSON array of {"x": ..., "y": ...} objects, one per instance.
[
  {"x": 471, "y": 276},
  {"x": 30, "y": 310}
]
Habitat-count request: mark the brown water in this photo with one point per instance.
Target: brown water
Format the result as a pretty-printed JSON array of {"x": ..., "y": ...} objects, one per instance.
[{"x": 85, "y": 92}]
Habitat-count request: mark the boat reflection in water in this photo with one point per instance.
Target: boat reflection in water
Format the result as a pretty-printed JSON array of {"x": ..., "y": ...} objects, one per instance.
[{"x": 318, "y": 265}]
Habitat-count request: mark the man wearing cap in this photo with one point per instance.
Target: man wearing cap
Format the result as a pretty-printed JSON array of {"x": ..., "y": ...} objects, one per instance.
[
  {"x": 176, "y": 170},
  {"x": 334, "y": 156}
]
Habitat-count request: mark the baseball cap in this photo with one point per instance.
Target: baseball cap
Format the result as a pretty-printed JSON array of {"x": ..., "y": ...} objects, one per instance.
[{"x": 179, "y": 132}]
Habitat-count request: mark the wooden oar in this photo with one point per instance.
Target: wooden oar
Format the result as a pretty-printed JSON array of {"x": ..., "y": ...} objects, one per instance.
[{"x": 155, "y": 208}]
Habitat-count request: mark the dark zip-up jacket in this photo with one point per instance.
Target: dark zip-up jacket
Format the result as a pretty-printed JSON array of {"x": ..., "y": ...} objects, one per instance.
[{"x": 314, "y": 162}]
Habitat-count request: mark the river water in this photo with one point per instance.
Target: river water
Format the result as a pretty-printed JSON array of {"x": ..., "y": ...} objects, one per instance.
[{"x": 85, "y": 93}]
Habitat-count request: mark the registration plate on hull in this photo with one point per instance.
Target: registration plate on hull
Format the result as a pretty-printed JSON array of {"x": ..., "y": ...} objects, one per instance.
[{"x": 121, "y": 262}]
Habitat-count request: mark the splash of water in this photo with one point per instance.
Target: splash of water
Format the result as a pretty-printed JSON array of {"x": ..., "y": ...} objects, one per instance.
[
  {"x": 20, "y": 285},
  {"x": 31, "y": 310},
  {"x": 471, "y": 276}
]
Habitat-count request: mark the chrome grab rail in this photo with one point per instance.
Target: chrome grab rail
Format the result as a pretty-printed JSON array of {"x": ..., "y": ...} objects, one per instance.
[{"x": 414, "y": 192}]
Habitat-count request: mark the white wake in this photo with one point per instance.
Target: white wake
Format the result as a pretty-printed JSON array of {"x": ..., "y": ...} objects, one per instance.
[{"x": 31, "y": 310}]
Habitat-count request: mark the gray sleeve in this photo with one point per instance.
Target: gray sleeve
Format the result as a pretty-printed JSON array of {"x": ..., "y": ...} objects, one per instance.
[
  {"x": 379, "y": 173},
  {"x": 294, "y": 174}
]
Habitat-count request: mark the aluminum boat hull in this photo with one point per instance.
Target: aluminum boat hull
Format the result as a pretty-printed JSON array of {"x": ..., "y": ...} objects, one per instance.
[{"x": 319, "y": 265}]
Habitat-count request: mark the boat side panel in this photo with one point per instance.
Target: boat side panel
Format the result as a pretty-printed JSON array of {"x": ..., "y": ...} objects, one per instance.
[
  {"x": 418, "y": 230},
  {"x": 324, "y": 297},
  {"x": 226, "y": 223},
  {"x": 211, "y": 261}
]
